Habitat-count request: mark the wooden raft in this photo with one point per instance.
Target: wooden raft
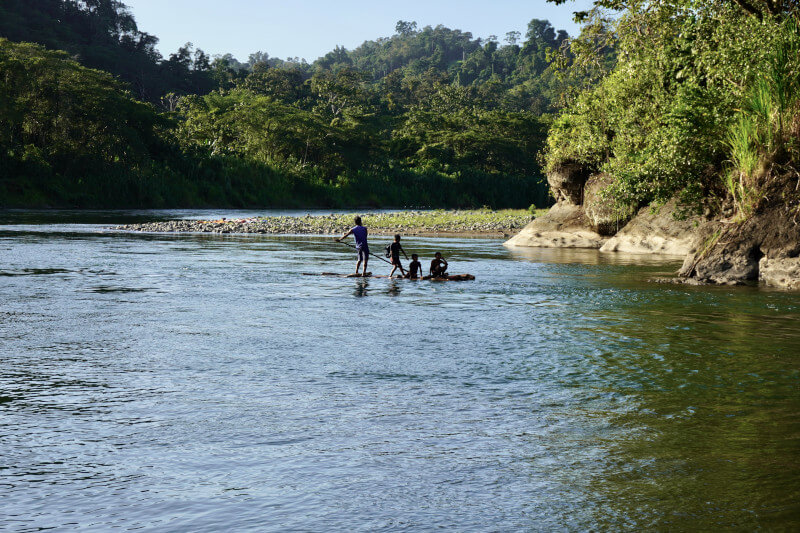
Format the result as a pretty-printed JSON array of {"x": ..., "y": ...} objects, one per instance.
[{"x": 451, "y": 277}]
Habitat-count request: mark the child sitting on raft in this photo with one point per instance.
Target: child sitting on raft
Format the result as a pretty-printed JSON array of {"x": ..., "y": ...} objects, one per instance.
[
  {"x": 438, "y": 266},
  {"x": 414, "y": 268}
]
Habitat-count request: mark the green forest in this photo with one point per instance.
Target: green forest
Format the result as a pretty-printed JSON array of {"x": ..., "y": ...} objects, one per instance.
[
  {"x": 701, "y": 104},
  {"x": 91, "y": 115},
  {"x": 694, "y": 99}
]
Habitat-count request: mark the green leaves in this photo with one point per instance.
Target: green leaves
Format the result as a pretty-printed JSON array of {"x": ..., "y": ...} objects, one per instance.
[
  {"x": 430, "y": 102},
  {"x": 664, "y": 120},
  {"x": 65, "y": 109}
]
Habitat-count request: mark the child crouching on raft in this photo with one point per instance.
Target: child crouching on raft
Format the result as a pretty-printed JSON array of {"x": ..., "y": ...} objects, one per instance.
[{"x": 438, "y": 266}]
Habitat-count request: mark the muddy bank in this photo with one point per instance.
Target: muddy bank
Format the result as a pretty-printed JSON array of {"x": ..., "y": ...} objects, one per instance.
[{"x": 479, "y": 222}]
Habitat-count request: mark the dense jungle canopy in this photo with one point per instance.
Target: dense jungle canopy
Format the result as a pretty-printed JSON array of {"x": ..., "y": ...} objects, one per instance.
[
  {"x": 702, "y": 104},
  {"x": 93, "y": 115},
  {"x": 690, "y": 98}
]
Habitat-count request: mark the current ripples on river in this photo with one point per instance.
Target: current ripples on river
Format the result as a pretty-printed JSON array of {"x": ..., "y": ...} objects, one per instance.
[{"x": 198, "y": 383}]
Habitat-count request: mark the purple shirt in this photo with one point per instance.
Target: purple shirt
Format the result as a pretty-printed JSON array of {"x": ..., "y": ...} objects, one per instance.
[{"x": 360, "y": 233}]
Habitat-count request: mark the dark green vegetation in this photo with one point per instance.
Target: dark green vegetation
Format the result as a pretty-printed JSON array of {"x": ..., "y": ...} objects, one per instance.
[
  {"x": 102, "y": 34},
  {"x": 703, "y": 103},
  {"x": 427, "y": 117}
]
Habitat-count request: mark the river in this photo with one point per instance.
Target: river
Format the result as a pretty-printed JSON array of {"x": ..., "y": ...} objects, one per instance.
[{"x": 198, "y": 383}]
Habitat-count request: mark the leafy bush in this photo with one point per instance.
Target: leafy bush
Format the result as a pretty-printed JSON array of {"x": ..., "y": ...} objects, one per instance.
[
  {"x": 672, "y": 111},
  {"x": 761, "y": 135}
]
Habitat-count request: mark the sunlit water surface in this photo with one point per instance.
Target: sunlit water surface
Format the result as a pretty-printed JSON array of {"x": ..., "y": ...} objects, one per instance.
[{"x": 197, "y": 382}]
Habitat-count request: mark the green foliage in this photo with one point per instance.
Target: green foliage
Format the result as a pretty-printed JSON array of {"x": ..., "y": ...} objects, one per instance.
[
  {"x": 103, "y": 34},
  {"x": 429, "y": 116},
  {"x": 668, "y": 116},
  {"x": 71, "y": 136},
  {"x": 513, "y": 77},
  {"x": 761, "y": 135},
  {"x": 438, "y": 220},
  {"x": 58, "y": 118},
  {"x": 742, "y": 140}
]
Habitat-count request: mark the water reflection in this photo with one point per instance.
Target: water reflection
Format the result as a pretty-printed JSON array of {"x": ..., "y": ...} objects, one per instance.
[
  {"x": 157, "y": 376},
  {"x": 586, "y": 256},
  {"x": 34, "y": 272},
  {"x": 393, "y": 288},
  {"x": 361, "y": 287},
  {"x": 709, "y": 417}
]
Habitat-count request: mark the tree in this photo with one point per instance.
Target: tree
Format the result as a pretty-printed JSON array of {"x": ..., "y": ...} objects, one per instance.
[
  {"x": 284, "y": 84},
  {"x": 405, "y": 28},
  {"x": 337, "y": 58},
  {"x": 661, "y": 121},
  {"x": 512, "y": 37},
  {"x": 65, "y": 125}
]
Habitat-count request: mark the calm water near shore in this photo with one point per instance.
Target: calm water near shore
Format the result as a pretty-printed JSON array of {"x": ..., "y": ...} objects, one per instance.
[{"x": 196, "y": 383}]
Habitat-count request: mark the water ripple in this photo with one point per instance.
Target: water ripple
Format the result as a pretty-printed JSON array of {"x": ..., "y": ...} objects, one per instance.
[{"x": 198, "y": 383}]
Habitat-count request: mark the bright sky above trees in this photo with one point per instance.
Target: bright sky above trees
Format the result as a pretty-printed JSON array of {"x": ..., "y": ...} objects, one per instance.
[{"x": 311, "y": 28}]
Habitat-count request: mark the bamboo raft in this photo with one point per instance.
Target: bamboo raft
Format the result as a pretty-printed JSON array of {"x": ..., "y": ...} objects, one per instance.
[{"x": 451, "y": 277}]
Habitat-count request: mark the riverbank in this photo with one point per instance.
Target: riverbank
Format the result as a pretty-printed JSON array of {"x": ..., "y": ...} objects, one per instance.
[
  {"x": 719, "y": 248},
  {"x": 482, "y": 222}
]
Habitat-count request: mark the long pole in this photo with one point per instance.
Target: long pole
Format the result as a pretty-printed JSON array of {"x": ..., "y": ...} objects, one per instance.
[{"x": 373, "y": 255}]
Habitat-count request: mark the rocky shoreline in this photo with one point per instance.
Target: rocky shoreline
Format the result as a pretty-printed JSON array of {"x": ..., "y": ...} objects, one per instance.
[
  {"x": 763, "y": 249},
  {"x": 478, "y": 222}
]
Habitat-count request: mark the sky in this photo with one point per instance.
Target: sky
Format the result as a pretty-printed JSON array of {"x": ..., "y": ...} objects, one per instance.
[{"x": 311, "y": 28}]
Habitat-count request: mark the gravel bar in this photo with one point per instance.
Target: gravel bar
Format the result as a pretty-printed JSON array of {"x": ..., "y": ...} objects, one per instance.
[{"x": 478, "y": 222}]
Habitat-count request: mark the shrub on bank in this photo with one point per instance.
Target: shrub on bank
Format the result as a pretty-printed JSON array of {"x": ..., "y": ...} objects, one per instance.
[{"x": 682, "y": 103}]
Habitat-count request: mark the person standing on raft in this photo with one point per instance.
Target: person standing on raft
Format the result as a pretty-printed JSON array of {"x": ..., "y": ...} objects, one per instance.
[
  {"x": 394, "y": 250},
  {"x": 359, "y": 232}
]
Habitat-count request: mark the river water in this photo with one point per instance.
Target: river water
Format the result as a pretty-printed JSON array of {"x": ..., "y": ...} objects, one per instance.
[{"x": 198, "y": 383}]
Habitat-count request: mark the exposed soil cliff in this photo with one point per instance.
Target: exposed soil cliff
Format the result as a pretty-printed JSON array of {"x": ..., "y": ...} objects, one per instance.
[{"x": 765, "y": 247}]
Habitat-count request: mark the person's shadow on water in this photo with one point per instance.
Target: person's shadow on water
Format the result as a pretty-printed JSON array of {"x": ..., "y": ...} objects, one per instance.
[
  {"x": 394, "y": 288},
  {"x": 362, "y": 288}
]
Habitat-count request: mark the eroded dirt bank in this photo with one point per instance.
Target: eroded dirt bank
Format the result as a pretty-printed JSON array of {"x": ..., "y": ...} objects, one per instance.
[{"x": 763, "y": 248}]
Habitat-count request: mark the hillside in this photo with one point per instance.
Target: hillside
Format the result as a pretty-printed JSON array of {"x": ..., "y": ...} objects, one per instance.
[{"x": 425, "y": 117}]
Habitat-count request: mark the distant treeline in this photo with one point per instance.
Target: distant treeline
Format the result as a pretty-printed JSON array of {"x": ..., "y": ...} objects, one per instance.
[{"x": 428, "y": 116}]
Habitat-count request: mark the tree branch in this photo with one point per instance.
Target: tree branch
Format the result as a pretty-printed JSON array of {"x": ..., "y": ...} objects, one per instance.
[
  {"x": 774, "y": 7},
  {"x": 744, "y": 4}
]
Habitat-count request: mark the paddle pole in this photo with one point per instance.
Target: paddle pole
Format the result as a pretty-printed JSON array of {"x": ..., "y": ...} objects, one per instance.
[{"x": 373, "y": 255}]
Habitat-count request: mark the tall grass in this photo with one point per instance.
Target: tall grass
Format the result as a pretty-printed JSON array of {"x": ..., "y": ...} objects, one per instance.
[{"x": 760, "y": 134}]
